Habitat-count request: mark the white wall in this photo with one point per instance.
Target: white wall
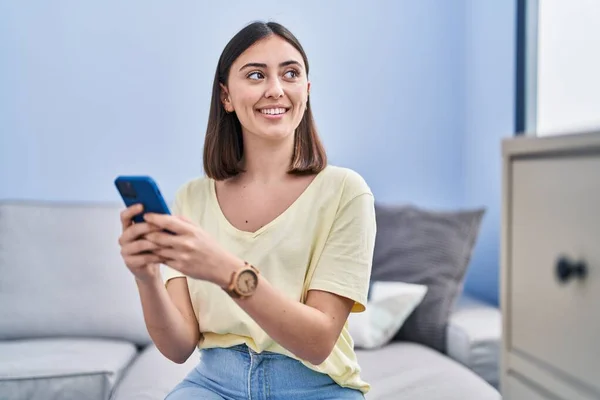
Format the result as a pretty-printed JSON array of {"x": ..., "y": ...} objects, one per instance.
[
  {"x": 93, "y": 89},
  {"x": 568, "y": 95},
  {"x": 489, "y": 118}
]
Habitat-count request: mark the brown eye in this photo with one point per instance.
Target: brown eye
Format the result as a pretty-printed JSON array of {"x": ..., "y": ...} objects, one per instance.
[
  {"x": 291, "y": 74},
  {"x": 256, "y": 75}
]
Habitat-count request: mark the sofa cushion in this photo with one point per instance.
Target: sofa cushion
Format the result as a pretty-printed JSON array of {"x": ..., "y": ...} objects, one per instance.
[
  {"x": 407, "y": 371},
  {"x": 425, "y": 247},
  {"x": 475, "y": 337},
  {"x": 66, "y": 369},
  {"x": 152, "y": 376},
  {"x": 62, "y": 273},
  {"x": 387, "y": 309}
]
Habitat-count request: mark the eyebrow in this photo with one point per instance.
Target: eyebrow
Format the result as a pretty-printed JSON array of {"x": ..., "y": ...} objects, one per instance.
[{"x": 261, "y": 65}]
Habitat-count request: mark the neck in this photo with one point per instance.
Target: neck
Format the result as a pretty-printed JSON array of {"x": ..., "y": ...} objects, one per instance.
[{"x": 267, "y": 161}]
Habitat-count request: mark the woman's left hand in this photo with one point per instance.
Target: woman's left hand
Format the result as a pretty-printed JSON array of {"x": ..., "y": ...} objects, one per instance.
[{"x": 189, "y": 249}]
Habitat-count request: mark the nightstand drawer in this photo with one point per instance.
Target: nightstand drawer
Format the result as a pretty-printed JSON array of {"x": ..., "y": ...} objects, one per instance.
[
  {"x": 555, "y": 213},
  {"x": 517, "y": 389}
]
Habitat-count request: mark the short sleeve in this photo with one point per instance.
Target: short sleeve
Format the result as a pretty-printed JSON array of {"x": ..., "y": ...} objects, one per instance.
[
  {"x": 344, "y": 267},
  {"x": 176, "y": 209}
]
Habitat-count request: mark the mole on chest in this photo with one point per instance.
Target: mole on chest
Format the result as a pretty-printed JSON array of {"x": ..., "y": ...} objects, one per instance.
[{"x": 253, "y": 220}]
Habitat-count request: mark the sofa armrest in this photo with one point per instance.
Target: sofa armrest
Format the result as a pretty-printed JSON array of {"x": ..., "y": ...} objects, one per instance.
[{"x": 474, "y": 335}]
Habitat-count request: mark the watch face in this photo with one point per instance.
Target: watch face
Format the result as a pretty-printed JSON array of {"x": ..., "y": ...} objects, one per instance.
[{"x": 247, "y": 281}]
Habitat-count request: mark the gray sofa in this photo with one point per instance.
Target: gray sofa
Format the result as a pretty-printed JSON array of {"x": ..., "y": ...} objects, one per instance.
[{"x": 71, "y": 325}]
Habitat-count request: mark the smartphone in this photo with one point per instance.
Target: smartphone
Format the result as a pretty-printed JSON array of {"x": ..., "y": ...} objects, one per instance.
[{"x": 141, "y": 190}]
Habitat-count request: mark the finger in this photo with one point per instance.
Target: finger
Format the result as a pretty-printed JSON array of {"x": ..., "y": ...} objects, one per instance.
[
  {"x": 128, "y": 213},
  {"x": 163, "y": 239},
  {"x": 168, "y": 222},
  {"x": 138, "y": 247},
  {"x": 141, "y": 260},
  {"x": 167, "y": 254},
  {"x": 136, "y": 231},
  {"x": 185, "y": 219}
]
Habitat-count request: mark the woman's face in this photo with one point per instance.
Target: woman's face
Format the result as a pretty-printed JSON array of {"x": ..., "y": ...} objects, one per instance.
[{"x": 268, "y": 89}]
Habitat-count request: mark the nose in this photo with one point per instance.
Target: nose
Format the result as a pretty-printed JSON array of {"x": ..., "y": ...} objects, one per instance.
[{"x": 274, "y": 89}]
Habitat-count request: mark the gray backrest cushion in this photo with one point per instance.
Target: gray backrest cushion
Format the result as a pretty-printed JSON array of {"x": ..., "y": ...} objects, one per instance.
[
  {"x": 61, "y": 273},
  {"x": 426, "y": 247}
]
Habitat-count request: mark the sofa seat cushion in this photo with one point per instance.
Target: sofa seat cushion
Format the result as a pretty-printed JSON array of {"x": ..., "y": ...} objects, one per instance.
[
  {"x": 405, "y": 370},
  {"x": 66, "y": 369},
  {"x": 152, "y": 376}
]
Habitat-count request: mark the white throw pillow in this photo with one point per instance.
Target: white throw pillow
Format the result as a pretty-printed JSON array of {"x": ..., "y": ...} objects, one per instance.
[{"x": 389, "y": 306}]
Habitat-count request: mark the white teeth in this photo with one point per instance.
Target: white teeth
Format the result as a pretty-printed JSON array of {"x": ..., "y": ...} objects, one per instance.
[{"x": 273, "y": 111}]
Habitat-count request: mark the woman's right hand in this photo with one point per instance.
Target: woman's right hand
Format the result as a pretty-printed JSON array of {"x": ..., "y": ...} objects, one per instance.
[{"x": 137, "y": 252}]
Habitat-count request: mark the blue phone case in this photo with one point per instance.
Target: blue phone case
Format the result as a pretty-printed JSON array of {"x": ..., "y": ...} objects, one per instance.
[{"x": 141, "y": 190}]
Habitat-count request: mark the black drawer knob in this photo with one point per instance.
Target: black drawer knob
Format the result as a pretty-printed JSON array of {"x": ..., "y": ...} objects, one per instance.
[{"x": 566, "y": 269}]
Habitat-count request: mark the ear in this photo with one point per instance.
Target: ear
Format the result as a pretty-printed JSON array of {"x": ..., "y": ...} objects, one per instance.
[
  {"x": 308, "y": 89},
  {"x": 225, "y": 100}
]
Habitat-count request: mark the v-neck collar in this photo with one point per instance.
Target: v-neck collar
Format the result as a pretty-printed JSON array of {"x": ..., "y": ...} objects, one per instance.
[{"x": 239, "y": 232}]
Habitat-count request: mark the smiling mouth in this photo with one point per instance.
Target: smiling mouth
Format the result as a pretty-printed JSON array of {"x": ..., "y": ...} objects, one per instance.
[{"x": 273, "y": 111}]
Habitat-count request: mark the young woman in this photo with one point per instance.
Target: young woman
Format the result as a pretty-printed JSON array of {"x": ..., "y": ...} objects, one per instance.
[{"x": 270, "y": 252}]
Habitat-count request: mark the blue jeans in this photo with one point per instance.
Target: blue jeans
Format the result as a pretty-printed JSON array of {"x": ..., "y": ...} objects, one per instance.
[{"x": 239, "y": 373}]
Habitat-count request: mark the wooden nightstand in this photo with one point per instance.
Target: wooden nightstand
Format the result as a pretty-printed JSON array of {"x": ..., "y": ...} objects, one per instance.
[{"x": 550, "y": 268}]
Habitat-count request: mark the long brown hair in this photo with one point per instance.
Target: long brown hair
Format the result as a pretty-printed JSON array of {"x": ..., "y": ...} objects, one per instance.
[{"x": 224, "y": 145}]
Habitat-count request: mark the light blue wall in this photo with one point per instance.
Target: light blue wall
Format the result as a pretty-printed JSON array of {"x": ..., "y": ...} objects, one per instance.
[
  {"x": 414, "y": 95},
  {"x": 490, "y": 53},
  {"x": 96, "y": 89}
]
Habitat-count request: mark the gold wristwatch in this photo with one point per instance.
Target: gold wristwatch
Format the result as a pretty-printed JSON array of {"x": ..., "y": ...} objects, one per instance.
[{"x": 243, "y": 282}]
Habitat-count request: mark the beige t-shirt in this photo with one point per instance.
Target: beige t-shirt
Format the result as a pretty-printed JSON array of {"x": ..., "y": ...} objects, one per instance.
[{"x": 323, "y": 241}]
